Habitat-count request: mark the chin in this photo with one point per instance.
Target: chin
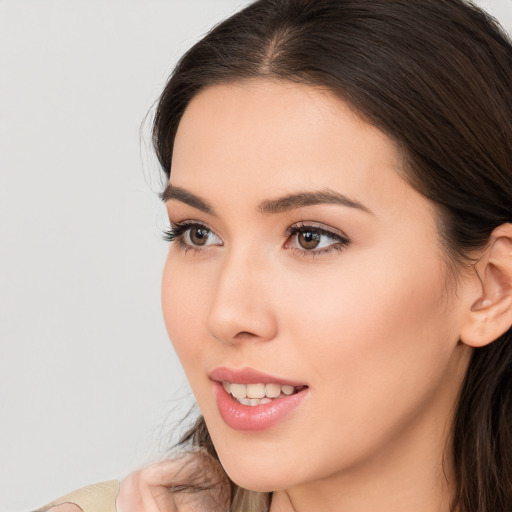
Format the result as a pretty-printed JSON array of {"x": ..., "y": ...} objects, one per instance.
[
  {"x": 256, "y": 481},
  {"x": 259, "y": 470},
  {"x": 262, "y": 461}
]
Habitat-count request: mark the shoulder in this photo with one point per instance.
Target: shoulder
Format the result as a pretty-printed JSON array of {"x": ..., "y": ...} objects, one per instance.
[{"x": 99, "y": 497}]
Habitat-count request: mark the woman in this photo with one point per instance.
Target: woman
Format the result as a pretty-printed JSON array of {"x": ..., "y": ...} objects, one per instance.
[{"x": 339, "y": 280}]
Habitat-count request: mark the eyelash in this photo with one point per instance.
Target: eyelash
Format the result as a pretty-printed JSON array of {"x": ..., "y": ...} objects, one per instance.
[
  {"x": 177, "y": 231},
  {"x": 342, "y": 241}
]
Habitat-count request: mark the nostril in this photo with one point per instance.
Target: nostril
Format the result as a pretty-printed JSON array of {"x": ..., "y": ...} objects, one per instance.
[
  {"x": 246, "y": 336},
  {"x": 235, "y": 319}
]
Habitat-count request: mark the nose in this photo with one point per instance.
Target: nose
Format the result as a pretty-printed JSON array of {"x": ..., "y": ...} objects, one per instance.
[{"x": 241, "y": 308}]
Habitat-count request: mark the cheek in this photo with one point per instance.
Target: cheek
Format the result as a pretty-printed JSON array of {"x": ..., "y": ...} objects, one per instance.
[
  {"x": 373, "y": 342},
  {"x": 184, "y": 306},
  {"x": 363, "y": 308}
]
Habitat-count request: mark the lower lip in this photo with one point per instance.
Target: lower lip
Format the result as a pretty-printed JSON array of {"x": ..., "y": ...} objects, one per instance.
[{"x": 257, "y": 417}]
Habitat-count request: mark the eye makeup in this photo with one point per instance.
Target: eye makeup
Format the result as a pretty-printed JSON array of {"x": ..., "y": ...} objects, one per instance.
[
  {"x": 302, "y": 238},
  {"x": 191, "y": 235},
  {"x": 313, "y": 240}
]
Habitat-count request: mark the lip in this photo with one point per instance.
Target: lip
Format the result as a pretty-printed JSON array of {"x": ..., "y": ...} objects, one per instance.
[
  {"x": 248, "y": 375},
  {"x": 259, "y": 417}
]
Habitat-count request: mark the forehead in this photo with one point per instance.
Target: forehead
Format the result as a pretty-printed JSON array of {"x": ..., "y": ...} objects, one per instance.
[
  {"x": 280, "y": 111},
  {"x": 264, "y": 137}
]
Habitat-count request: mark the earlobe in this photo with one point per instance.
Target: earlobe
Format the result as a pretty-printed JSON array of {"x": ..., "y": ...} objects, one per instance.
[{"x": 491, "y": 312}]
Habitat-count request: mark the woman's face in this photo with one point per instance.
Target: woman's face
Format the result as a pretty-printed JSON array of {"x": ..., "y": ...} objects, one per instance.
[{"x": 303, "y": 263}]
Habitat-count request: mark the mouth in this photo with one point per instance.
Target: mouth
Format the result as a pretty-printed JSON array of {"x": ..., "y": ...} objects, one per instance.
[
  {"x": 259, "y": 393},
  {"x": 250, "y": 400}
]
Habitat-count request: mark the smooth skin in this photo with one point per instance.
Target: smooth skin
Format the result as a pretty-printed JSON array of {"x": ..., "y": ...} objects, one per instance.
[
  {"x": 372, "y": 326},
  {"x": 371, "y": 319}
]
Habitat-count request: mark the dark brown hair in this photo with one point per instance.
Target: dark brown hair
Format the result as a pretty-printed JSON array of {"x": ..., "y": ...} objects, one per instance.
[{"x": 435, "y": 76}]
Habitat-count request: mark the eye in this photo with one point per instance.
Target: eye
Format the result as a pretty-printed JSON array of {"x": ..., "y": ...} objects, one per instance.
[
  {"x": 315, "y": 240},
  {"x": 191, "y": 236},
  {"x": 199, "y": 235}
]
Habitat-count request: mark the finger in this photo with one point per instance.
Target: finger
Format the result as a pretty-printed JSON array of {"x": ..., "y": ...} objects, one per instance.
[
  {"x": 170, "y": 472},
  {"x": 175, "y": 486},
  {"x": 137, "y": 495}
]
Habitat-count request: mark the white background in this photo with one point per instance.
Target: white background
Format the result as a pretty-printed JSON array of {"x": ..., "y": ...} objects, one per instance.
[{"x": 89, "y": 386}]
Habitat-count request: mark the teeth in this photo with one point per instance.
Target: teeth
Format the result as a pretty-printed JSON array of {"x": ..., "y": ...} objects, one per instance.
[
  {"x": 254, "y": 401},
  {"x": 272, "y": 390},
  {"x": 239, "y": 390},
  {"x": 256, "y": 394},
  {"x": 287, "y": 390},
  {"x": 255, "y": 390}
]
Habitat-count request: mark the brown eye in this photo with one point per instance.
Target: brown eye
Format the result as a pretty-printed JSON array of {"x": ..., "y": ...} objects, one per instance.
[
  {"x": 199, "y": 235},
  {"x": 192, "y": 236},
  {"x": 308, "y": 239},
  {"x": 315, "y": 240}
]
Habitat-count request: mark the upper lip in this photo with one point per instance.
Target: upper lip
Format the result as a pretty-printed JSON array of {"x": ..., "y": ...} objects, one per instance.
[{"x": 248, "y": 375}]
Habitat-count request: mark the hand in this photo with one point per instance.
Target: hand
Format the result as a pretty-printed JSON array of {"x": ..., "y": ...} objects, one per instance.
[{"x": 168, "y": 487}]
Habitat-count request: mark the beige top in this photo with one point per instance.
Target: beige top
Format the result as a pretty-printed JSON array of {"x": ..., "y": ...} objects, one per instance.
[{"x": 93, "y": 498}]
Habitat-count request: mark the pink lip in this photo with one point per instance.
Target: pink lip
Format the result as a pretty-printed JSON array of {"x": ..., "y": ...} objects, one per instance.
[
  {"x": 249, "y": 376},
  {"x": 253, "y": 418}
]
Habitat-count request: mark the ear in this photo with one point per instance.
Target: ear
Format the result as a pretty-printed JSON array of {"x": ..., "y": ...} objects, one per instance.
[{"x": 491, "y": 312}]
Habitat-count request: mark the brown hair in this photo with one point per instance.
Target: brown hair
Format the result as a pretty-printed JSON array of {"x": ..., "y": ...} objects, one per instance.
[{"x": 435, "y": 76}]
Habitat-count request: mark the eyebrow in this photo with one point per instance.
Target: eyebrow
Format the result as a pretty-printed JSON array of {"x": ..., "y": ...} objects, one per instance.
[
  {"x": 279, "y": 205},
  {"x": 303, "y": 199},
  {"x": 184, "y": 196}
]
